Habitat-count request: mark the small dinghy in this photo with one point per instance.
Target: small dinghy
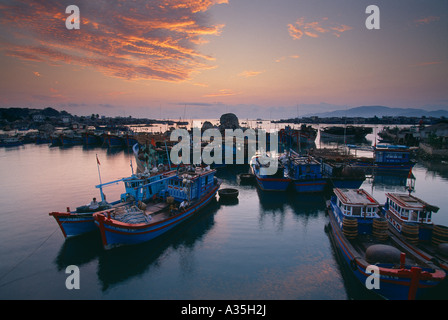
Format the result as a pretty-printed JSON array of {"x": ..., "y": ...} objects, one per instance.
[{"x": 228, "y": 193}]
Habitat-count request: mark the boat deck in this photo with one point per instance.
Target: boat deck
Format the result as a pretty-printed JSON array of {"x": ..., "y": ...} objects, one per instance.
[{"x": 363, "y": 242}]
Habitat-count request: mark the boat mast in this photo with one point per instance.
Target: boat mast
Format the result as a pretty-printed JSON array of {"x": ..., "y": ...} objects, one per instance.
[{"x": 99, "y": 175}]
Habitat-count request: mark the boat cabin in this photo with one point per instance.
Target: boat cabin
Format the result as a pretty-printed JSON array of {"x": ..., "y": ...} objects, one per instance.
[
  {"x": 402, "y": 209},
  {"x": 393, "y": 154},
  {"x": 355, "y": 203},
  {"x": 304, "y": 167},
  {"x": 409, "y": 208},
  {"x": 191, "y": 185},
  {"x": 141, "y": 187}
]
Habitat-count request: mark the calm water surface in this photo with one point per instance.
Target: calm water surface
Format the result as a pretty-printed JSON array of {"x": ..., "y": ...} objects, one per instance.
[{"x": 265, "y": 246}]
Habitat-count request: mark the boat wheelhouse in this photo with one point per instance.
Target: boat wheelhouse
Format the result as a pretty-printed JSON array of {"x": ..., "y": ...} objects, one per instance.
[
  {"x": 341, "y": 174},
  {"x": 355, "y": 204},
  {"x": 388, "y": 159},
  {"x": 410, "y": 218},
  {"x": 362, "y": 239},
  {"x": 393, "y": 158},
  {"x": 306, "y": 173},
  {"x": 404, "y": 209},
  {"x": 186, "y": 193}
]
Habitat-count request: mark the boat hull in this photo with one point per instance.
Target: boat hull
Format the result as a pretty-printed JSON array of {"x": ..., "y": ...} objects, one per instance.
[
  {"x": 385, "y": 167},
  {"x": 115, "y": 234},
  {"x": 113, "y": 141},
  {"x": 395, "y": 284},
  {"x": 73, "y": 224},
  {"x": 272, "y": 184}
]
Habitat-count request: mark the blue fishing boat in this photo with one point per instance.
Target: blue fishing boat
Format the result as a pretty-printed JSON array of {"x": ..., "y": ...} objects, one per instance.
[
  {"x": 138, "y": 187},
  {"x": 70, "y": 138},
  {"x": 91, "y": 138},
  {"x": 362, "y": 239},
  {"x": 184, "y": 195},
  {"x": 388, "y": 158},
  {"x": 410, "y": 218},
  {"x": 343, "y": 175},
  {"x": 11, "y": 141},
  {"x": 113, "y": 140},
  {"x": 306, "y": 173},
  {"x": 130, "y": 139},
  {"x": 279, "y": 181}
]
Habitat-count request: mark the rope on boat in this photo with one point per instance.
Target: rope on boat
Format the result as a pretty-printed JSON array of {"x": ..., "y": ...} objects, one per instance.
[{"x": 25, "y": 258}]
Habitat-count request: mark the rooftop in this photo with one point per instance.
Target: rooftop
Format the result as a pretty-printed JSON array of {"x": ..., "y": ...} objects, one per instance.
[{"x": 355, "y": 197}]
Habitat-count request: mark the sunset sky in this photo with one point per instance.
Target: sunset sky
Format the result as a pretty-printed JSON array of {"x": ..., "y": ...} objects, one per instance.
[{"x": 199, "y": 59}]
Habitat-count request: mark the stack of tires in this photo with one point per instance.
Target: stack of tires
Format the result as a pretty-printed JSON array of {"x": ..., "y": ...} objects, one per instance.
[
  {"x": 380, "y": 229},
  {"x": 410, "y": 232},
  {"x": 439, "y": 235},
  {"x": 350, "y": 227}
]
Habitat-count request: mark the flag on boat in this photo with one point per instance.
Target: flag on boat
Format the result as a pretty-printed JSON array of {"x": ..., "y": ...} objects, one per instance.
[{"x": 97, "y": 161}]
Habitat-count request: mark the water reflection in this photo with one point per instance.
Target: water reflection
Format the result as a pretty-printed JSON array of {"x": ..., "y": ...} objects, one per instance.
[
  {"x": 123, "y": 263},
  {"x": 435, "y": 168},
  {"x": 79, "y": 250}
]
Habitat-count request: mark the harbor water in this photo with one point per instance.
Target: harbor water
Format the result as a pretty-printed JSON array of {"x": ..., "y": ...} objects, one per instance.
[{"x": 270, "y": 246}]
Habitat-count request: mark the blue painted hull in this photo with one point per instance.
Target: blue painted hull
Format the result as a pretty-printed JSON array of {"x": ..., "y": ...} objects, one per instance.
[
  {"x": 304, "y": 186},
  {"x": 68, "y": 141},
  {"x": 91, "y": 140},
  {"x": 386, "y": 167},
  {"x": 272, "y": 184},
  {"x": 75, "y": 224},
  {"x": 113, "y": 141},
  {"x": 118, "y": 234}
]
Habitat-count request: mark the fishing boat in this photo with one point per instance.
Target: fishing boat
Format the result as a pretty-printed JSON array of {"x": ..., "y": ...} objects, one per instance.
[
  {"x": 342, "y": 174},
  {"x": 11, "y": 141},
  {"x": 265, "y": 179},
  {"x": 388, "y": 158},
  {"x": 294, "y": 137},
  {"x": 185, "y": 195},
  {"x": 112, "y": 140},
  {"x": 91, "y": 138},
  {"x": 337, "y": 167},
  {"x": 345, "y": 132},
  {"x": 410, "y": 218},
  {"x": 361, "y": 237},
  {"x": 138, "y": 187},
  {"x": 70, "y": 138},
  {"x": 306, "y": 173}
]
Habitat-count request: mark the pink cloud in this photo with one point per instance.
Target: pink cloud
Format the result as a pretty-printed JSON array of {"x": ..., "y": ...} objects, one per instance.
[
  {"x": 426, "y": 20},
  {"x": 247, "y": 74},
  {"x": 144, "y": 39},
  {"x": 221, "y": 93},
  {"x": 315, "y": 28}
]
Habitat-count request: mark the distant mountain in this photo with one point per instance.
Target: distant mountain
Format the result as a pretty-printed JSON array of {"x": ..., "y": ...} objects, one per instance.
[{"x": 381, "y": 111}]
